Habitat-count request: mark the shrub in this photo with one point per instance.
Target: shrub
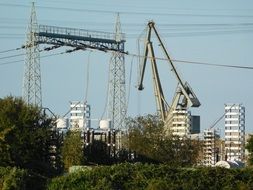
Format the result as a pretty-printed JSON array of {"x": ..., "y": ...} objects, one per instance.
[{"x": 150, "y": 176}]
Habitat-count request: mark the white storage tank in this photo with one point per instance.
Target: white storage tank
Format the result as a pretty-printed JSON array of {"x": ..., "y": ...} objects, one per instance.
[
  {"x": 62, "y": 123},
  {"x": 105, "y": 124}
]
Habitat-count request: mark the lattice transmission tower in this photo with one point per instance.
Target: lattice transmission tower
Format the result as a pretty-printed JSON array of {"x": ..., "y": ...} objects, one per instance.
[
  {"x": 31, "y": 92},
  {"x": 78, "y": 39},
  {"x": 117, "y": 89}
]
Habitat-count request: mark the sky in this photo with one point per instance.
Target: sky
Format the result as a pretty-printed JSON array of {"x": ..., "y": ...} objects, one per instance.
[{"x": 212, "y": 31}]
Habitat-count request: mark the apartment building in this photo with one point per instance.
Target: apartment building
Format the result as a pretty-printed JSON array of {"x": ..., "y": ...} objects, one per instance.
[{"x": 235, "y": 132}]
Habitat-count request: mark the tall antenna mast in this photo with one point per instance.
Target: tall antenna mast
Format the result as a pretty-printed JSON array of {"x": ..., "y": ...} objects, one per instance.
[
  {"x": 117, "y": 89},
  {"x": 31, "y": 92}
]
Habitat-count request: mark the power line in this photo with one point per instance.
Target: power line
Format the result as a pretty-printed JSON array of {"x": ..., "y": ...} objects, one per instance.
[
  {"x": 185, "y": 29},
  {"x": 18, "y": 21},
  {"x": 22, "y": 54},
  {"x": 8, "y": 34},
  {"x": 138, "y": 56},
  {"x": 129, "y": 54},
  {"x": 10, "y": 62},
  {"x": 11, "y": 37},
  {"x": 127, "y": 12},
  {"x": 197, "y": 33},
  {"x": 180, "y": 33},
  {"x": 10, "y": 56},
  {"x": 9, "y": 50},
  {"x": 44, "y": 56},
  {"x": 194, "y": 62},
  {"x": 158, "y": 58},
  {"x": 212, "y": 64},
  {"x": 146, "y": 6},
  {"x": 10, "y": 25},
  {"x": 135, "y": 26}
]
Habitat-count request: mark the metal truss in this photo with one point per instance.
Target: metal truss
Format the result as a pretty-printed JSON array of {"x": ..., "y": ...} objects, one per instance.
[
  {"x": 78, "y": 38},
  {"x": 117, "y": 88},
  {"x": 31, "y": 91}
]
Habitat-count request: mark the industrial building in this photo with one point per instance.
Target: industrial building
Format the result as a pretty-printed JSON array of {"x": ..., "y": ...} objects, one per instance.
[
  {"x": 103, "y": 134},
  {"x": 79, "y": 115},
  {"x": 62, "y": 125},
  {"x": 235, "y": 132}
]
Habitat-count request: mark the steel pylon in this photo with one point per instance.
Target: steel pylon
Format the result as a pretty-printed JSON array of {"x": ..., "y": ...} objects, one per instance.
[
  {"x": 31, "y": 92},
  {"x": 117, "y": 89}
]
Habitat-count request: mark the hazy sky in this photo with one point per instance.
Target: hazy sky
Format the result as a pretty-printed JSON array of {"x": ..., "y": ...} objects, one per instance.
[{"x": 210, "y": 31}]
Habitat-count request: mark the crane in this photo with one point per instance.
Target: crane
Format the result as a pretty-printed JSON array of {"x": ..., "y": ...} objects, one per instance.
[{"x": 184, "y": 96}]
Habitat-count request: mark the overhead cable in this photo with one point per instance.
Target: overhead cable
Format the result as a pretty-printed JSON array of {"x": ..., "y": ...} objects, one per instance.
[
  {"x": 126, "y": 12},
  {"x": 10, "y": 56},
  {"x": 212, "y": 64},
  {"x": 21, "y": 60},
  {"x": 192, "y": 62},
  {"x": 9, "y": 50},
  {"x": 22, "y": 54},
  {"x": 138, "y": 56}
]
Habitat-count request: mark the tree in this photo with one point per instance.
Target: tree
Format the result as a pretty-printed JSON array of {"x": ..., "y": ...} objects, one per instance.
[
  {"x": 144, "y": 136},
  {"x": 25, "y": 134},
  {"x": 72, "y": 149},
  {"x": 148, "y": 140},
  {"x": 249, "y": 147}
]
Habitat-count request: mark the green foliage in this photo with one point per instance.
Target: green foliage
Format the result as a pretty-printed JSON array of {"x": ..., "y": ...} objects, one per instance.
[
  {"x": 14, "y": 179},
  {"x": 249, "y": 147},
  {"x": 148, "y": 140},
  {"x": 158, "y": 184},
  {"x": 144, "y": 176},
  {"x": 24, "y": 136},
  {"x": 72, "y": 149},
  {"x": 20, "y": 179}
]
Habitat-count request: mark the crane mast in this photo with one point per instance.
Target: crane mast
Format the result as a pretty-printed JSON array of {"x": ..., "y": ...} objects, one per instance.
[{"x": 184, "y": 96}]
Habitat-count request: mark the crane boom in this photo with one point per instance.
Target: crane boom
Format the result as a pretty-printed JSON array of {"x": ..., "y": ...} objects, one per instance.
[
  {"x": 184, "y": 96},
  {"x": 140, "y": 85},
  {"x": 160, "y": 100},
  {"x": 162, "y": 106},
  {"x": 192, "y": 99}
]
